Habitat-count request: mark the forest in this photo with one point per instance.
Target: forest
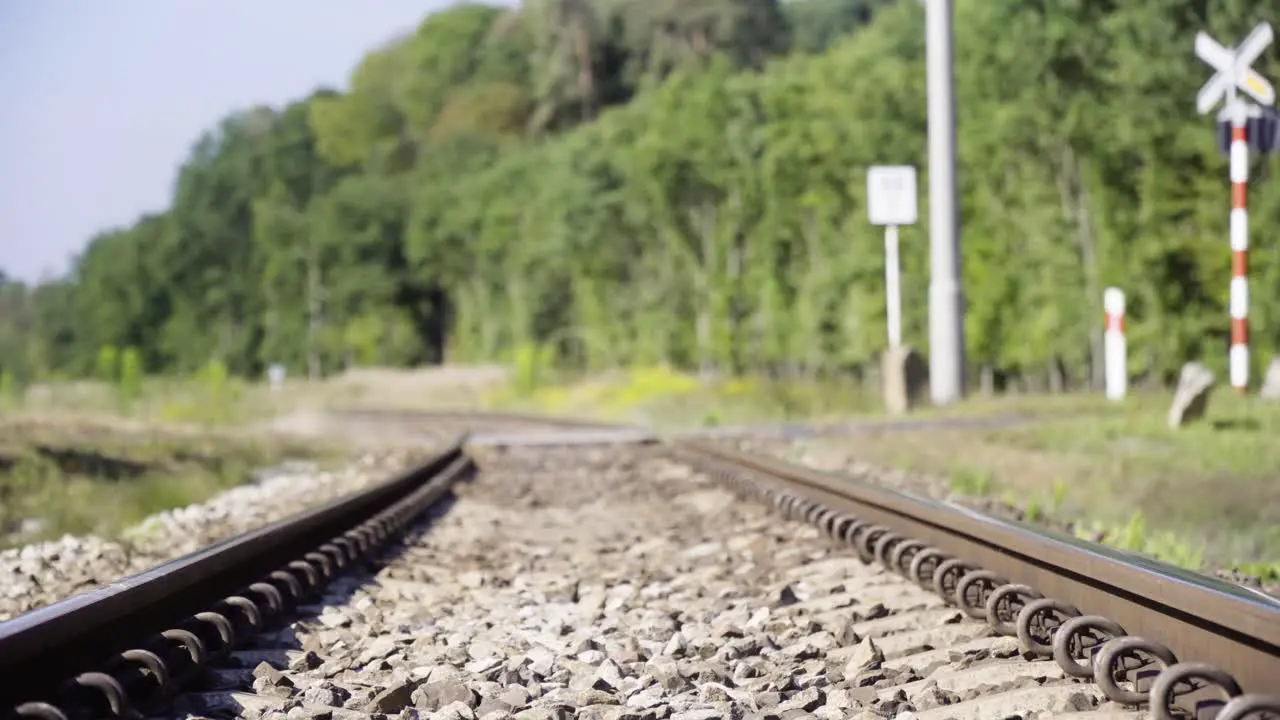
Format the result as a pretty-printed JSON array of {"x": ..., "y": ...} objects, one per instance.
[{"x": 612, "y": 183}]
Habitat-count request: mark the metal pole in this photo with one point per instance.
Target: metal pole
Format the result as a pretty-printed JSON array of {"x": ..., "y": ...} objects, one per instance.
[
  {"x": 946, "y": 301},
  {"x": 893, "y": 295}
]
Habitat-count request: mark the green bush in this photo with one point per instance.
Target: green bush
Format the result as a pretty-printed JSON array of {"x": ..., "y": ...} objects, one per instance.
[
  {"x": 533, "y": 365},
  {"x": 215, "y": 384},
  {"x": 10, "y": 393},
  {"x": 108, "y": 362},
  {"x": 129, "y": 382}
]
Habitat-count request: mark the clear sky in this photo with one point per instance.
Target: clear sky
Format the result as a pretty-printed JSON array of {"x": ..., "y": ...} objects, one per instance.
[{"x": 100, "y": 100}]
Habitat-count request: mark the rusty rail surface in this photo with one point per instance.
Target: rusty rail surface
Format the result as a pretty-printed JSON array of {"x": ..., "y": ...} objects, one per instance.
[
  {"x": 1147, "y": 633},
  {"x": 131, "y": 644}
]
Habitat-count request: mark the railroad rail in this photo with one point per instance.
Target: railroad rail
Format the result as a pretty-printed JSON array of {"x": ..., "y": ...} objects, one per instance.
[
  {"x": 1143, "y": 616},
  {"x": 1146, "y": 633},
  {"x": 130, "y": 644},
  {"x": 783, "y": 430},
  {"x": 486, "y": 419}
]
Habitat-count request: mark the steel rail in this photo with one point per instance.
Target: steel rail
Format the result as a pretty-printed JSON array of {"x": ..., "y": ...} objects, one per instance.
[
  {"x": 135, "y": 641},
  {"x": 640, "y": 434},
  {"x": 556, "y": 430},
  {"x": 1035, "y": 584},
  {"x": 477, "y": 417}
]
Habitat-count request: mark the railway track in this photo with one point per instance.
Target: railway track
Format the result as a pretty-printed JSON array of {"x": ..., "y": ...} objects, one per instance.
[{"x": 563, "y": 569}]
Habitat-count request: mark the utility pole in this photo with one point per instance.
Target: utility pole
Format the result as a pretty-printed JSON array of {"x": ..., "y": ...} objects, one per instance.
[{"x": 946, "y": 300}]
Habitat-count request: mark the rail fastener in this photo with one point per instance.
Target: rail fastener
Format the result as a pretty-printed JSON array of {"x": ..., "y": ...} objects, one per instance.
[{"x": 1037, "y": 585}]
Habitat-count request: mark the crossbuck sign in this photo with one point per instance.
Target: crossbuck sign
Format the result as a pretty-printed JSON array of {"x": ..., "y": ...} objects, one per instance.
[{"x": 1233, "y": 71}]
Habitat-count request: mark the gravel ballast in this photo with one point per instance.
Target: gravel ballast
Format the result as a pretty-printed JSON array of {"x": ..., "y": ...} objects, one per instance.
[
  {"x": 37, "y": 575},
  {"x": 613, "y": 583}
]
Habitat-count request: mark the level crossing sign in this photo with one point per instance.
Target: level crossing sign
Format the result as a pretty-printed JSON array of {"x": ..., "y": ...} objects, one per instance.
[
  {"x": 1233, "y": 71},
  {"x": 1245, "y": 126}
]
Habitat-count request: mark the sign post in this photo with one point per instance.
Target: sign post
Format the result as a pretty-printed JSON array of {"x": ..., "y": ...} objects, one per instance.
[
  {"x": 1117, "y": 365},
  {"x": 275, "y": 376},
  {"x": 891, "y": 202},
  {"x": 1232, "y": 74}
]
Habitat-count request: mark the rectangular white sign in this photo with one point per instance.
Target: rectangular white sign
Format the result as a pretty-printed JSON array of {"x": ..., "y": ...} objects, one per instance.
[{"x": 891, "y": 195}]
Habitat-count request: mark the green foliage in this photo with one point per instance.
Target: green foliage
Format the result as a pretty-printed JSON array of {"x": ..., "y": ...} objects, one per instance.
[
  {"x": 1059, "y": 492},
  {"x": 531, "y": 365},
  {"x": 108, "y": 364},
  {"x": 212, "y": 404},
  {"x": 1266, "y": 572},
  {"x": 975, "y": 483},
  {"x": 665, "y": 397},
  {"x": 659, "y": 183},
  {"x": 129, "y": 386},
  {"x": 1134, "y": 536},
  {"x": 214, "y": 378},
  {"x": 10, "y": 393}
]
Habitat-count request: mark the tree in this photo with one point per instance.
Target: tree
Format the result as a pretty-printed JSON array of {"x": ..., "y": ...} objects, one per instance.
[{"x": 652, "y": 181}]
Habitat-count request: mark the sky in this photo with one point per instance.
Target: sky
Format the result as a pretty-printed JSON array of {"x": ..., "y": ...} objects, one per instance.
[{"x": 100, "y": 100}]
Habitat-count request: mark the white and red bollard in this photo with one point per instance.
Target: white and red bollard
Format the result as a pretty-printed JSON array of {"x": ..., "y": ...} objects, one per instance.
[
  {"x": 1117, "y": 363},
  {"x": 1238, "y": 359}
]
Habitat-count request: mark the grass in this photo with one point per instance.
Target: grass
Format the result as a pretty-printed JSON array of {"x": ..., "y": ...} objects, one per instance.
[
  {"x": 75, "y": 458},
  {"x": 665, "y": 398},
  {"x": 1205, "y": 495},
  {"x": 203, "y": 403},
  {"x": 82, "y": 478}
]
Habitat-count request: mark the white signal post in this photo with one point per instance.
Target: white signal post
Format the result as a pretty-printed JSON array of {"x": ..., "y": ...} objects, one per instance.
[
  {"x": 1117, "y": 363},
  {"x": 1232, "y": 73},
  {"x": 891, "y": 202},
  {"x": 275, "y": 376}
]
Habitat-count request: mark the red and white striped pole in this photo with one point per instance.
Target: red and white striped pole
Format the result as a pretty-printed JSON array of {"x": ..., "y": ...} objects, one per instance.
[
  {"x": 1116, "y": 360},
  {"x": 1238, "y": 359}
]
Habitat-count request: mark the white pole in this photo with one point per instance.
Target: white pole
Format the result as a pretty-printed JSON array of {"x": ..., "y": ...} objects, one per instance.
[
  {"x": 893, "y": 310},
  {"x": 1117, "y": 375}
]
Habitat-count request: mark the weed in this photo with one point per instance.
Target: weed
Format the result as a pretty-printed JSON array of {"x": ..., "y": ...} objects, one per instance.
[
  {"x": 129, "y": 387},
  {"x": 1266, "y": 572},
  {"x": 107, "y": 362},
  {"x": 10, "y": 394},
  {"x": 975, "y": 483},
  {"x": 1168, "y": 547},
  {"x": 533, "y": 364},
  {"x": 1133, "y": 536},
  {"x": 1058, "y": 496}
]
